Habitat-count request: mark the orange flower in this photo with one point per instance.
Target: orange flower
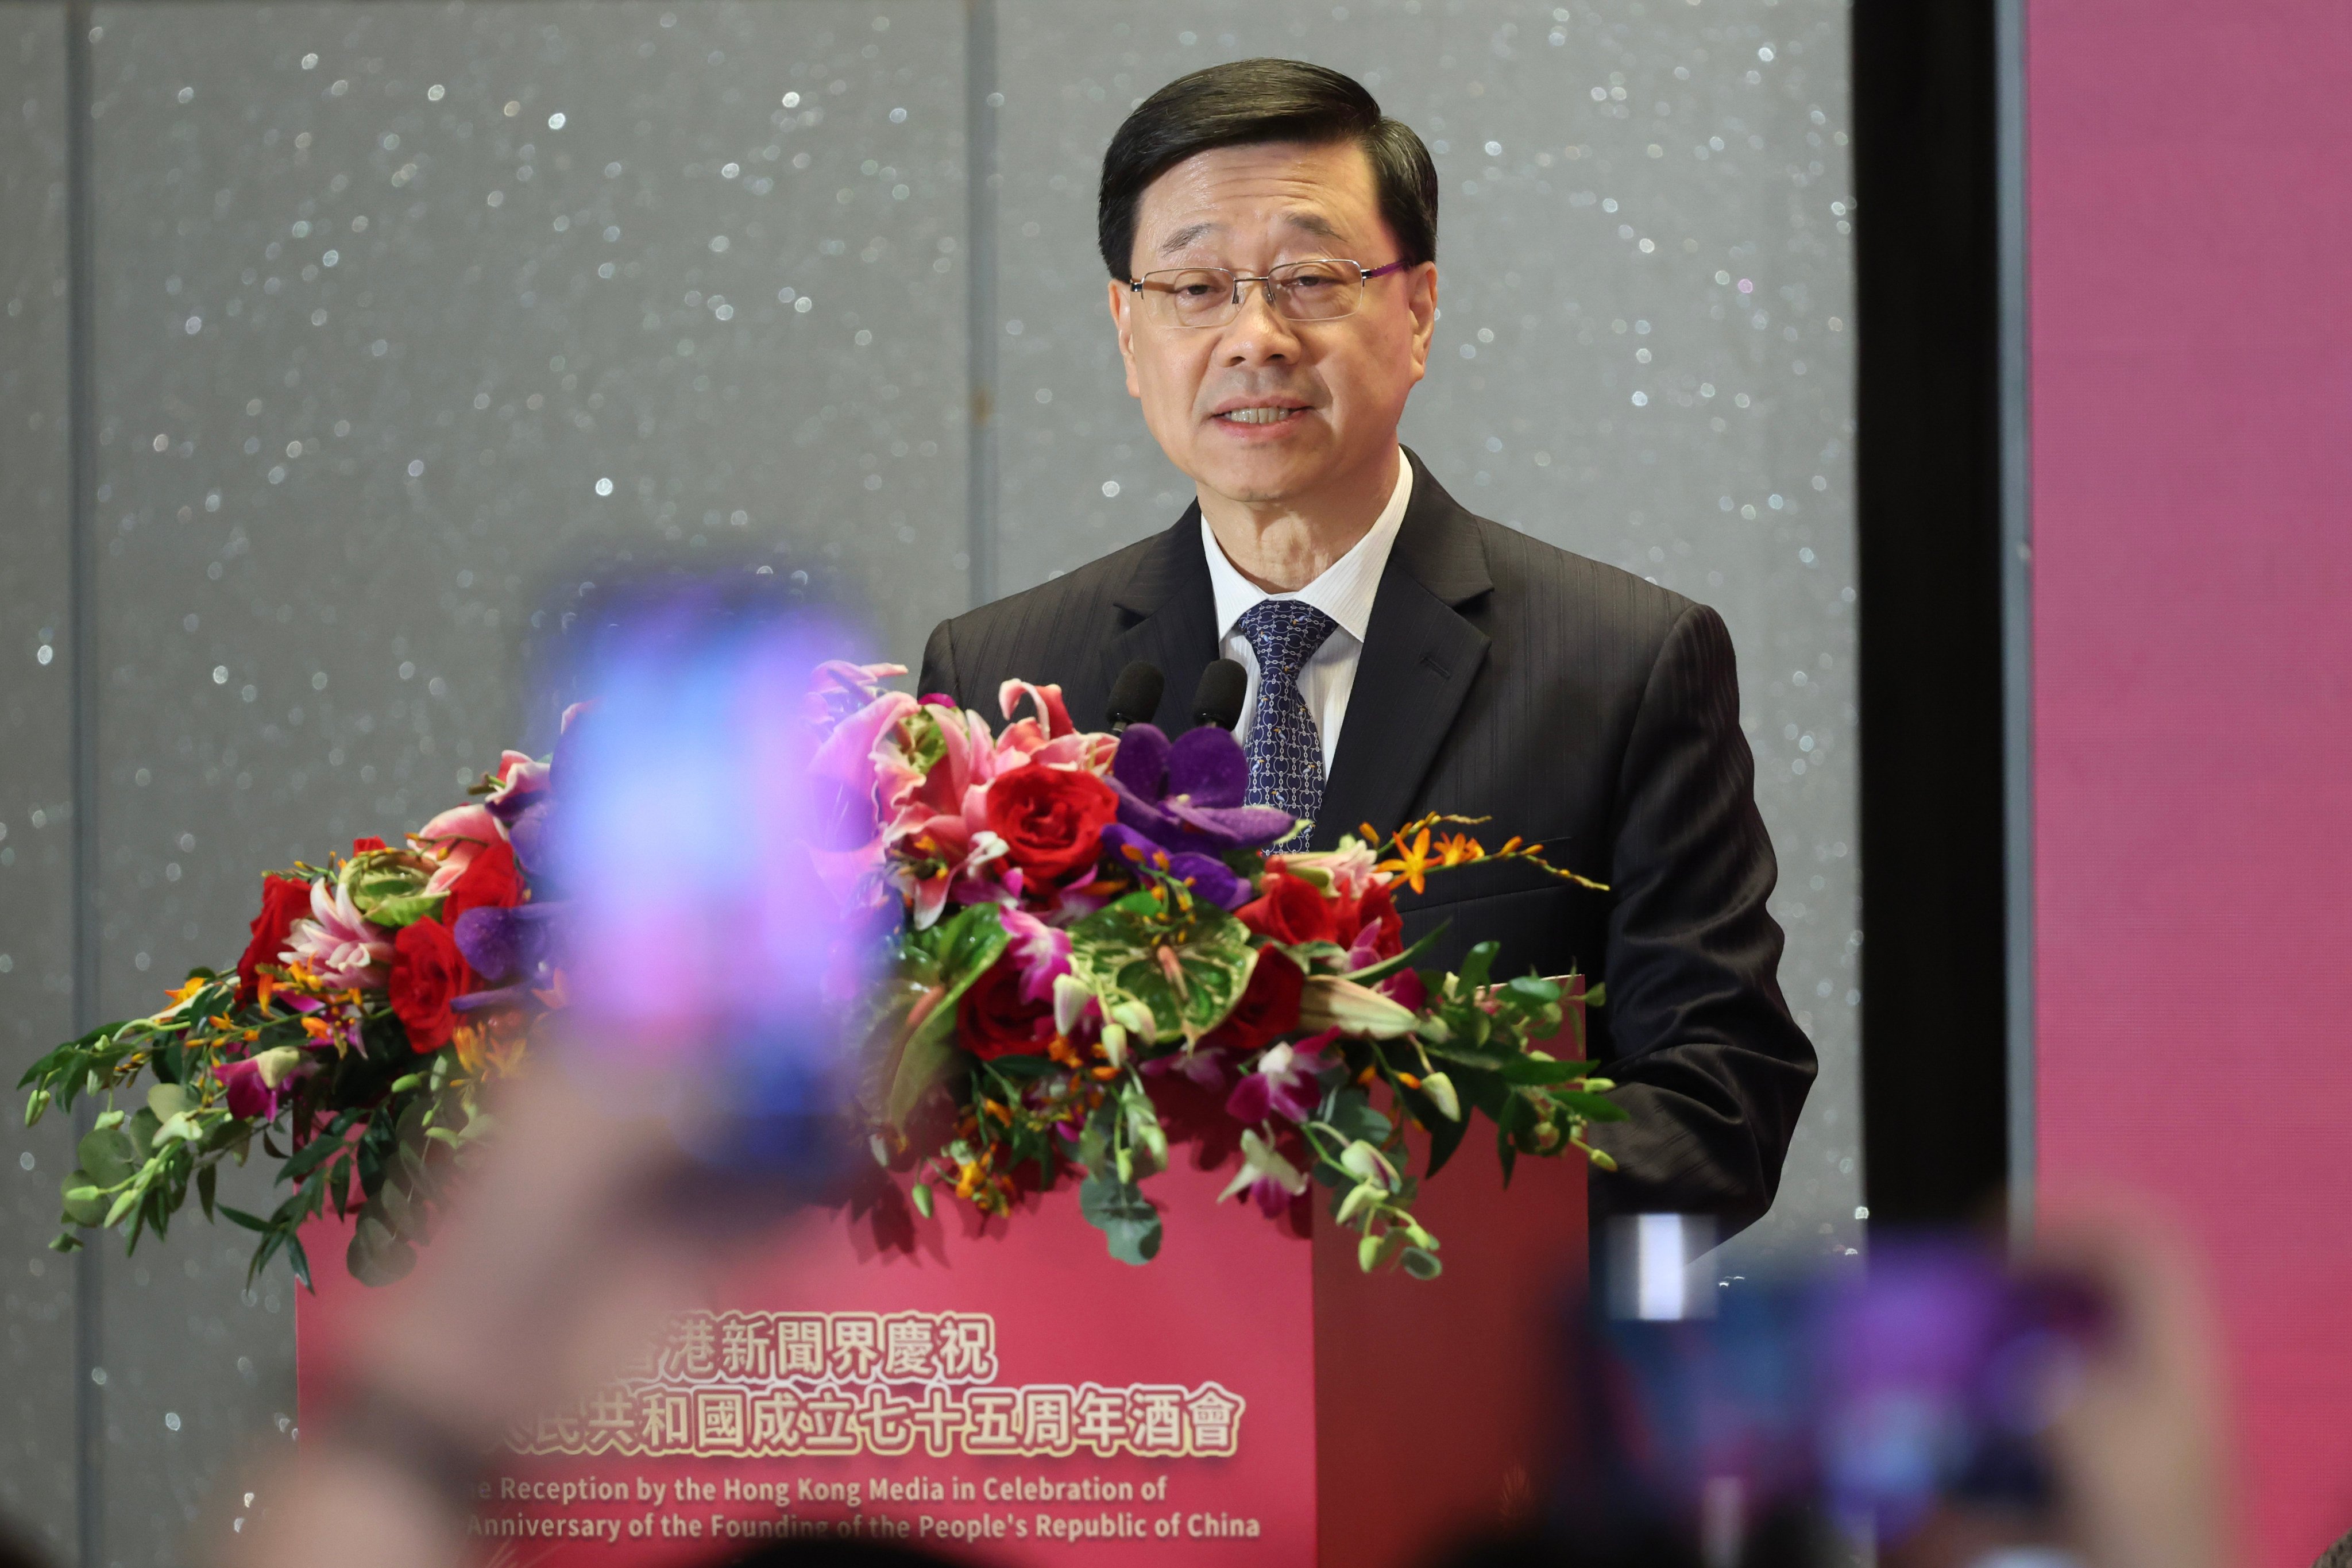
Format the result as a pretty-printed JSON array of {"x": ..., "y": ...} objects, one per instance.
[
  {"x": 1412, "y": 862},
  {"x": 1459, "y": 849}
]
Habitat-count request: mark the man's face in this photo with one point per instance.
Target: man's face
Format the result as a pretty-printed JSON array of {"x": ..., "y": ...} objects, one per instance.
[{"x": 1338, "y": 387}]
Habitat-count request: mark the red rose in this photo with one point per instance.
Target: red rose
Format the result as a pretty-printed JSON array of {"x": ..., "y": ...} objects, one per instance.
[
  {"x": 991, "y": 1020},
  {"x": 489, "y": 880},
  {"x": 1050, "y": 818},
  {"x": 428, "y": 973},
  {"x": 361, "y": 845},
  {"x": 1289, "y": 910},
  {"x": 284, "y": 900},
  {"x": 1268, "y": 1008}
]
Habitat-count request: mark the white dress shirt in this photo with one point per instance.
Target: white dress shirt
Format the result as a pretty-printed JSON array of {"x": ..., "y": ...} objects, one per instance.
[{"x": 1344, "y": 592}]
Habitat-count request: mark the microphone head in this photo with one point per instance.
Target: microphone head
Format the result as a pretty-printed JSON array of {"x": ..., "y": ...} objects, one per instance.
[
  {"x": 1135, "y": 695},
  {"x": 1218, "y": 698}
]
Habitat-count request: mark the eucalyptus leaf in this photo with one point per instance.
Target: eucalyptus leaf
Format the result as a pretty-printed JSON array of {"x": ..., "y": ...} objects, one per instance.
[
  {"x": 1125, "y": 1216},
  {"x": 1421, "y": 1265},
  {"x": 143, "y": 1126},
  {"x": 108, "y": 1155},
  {"x": 83, "y": 1203}
]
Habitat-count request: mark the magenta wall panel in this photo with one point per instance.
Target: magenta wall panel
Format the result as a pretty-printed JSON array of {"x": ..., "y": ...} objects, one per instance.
[{"x": 2191, "y": 255}]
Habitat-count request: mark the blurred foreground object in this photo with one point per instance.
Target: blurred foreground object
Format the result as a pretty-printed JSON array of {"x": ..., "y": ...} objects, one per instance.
[{"x": 1939, "y": 1408}]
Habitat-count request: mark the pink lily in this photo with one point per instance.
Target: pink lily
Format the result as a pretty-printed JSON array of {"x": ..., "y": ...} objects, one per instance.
[
  {"x": 340, "y": 946},
  {"x": 458, "y": 836},
  {"x": 1042, "y": 951}
]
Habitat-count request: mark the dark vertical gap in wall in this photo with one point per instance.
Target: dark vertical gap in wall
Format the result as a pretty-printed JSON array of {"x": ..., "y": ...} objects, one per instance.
[
  {"x": 2016, "y": 598},
  {"x": 980, "y": 104},
  {"x": 1928, "y": 458},
  {"x": 89, "y": 1414}
]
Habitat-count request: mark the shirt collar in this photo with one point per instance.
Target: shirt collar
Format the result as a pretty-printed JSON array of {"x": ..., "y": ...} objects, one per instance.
[{"x": 1346, "y": 587}]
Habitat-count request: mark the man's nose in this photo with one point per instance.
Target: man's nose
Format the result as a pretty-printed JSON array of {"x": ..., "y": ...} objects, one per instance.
[{"x": 1259, "y": 335}]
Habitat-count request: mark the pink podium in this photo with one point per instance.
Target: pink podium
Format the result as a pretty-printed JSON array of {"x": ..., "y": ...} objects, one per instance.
[{"x": 1007, "y": 1393}]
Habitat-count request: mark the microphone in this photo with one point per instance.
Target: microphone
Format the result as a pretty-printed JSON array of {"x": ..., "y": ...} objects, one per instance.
[
  {"x": 1135, "y": 696},
  {"x": 1218, "y": 698}
]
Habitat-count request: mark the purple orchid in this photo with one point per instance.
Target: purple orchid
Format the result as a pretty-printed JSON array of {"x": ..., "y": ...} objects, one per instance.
[
  {"x": 1207, "y": 875},
  {"x": 256, "y": 1086},
  {"x": 1284, "y": 1083},
  {"x": 1186, "y": 796},
  {"x": 525, "y": 800},
  {"x": 1265, "y": 1176},
  {"x": 513, "y": 945}
]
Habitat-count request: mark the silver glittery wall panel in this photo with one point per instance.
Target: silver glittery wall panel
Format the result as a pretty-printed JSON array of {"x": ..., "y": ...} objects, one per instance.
[
  {"x": 1644, "y": 355},
  {"x": 37, "y": 1290},
  {"x": 400, "y": 307}
]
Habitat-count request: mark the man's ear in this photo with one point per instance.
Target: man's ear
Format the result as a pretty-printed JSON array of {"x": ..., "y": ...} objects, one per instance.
[
  {"x": 1121, "y": 299},
  {"x": 1420, "y": 299}
]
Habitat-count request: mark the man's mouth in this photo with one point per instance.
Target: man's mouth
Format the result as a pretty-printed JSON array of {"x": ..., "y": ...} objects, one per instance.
[{"x": 1259, "y": 416}]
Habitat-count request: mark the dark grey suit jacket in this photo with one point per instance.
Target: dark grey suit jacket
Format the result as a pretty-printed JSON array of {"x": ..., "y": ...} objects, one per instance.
[{"x": 1577, "y": 706}]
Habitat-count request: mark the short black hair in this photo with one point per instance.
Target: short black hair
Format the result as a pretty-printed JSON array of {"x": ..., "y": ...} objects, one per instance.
[{"x": 1248, "y": 101}]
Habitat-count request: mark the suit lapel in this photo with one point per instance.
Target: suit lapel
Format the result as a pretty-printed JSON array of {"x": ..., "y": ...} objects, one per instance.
[
  {"x": 1421, "y": 655},
  {"x": 1172, "y": 608}
]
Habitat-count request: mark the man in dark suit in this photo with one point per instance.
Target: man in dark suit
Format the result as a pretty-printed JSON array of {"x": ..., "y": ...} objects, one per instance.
[{"x": 1271, "y": 240}]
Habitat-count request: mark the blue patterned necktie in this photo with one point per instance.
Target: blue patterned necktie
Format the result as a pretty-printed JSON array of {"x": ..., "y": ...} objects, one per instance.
[{"x": 1285, "y": 752}]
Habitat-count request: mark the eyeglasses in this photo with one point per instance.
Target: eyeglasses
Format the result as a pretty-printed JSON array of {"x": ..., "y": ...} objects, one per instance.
[{"x": 1321, "y": 291}]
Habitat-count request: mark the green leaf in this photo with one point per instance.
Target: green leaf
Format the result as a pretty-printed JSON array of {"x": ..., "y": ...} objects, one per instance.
[
  {"x": 1444, "y": 1137},
  {"x": 1350, "y": 1112},
  {"x": 1115, "y": 953},
  {"x": 143, "y": 1126},
  {"x": 1373, "y": 974},
  {"x": 1421, "y": 1265},
  {"x": 300, "y": 1260},
  {"x": 168, "y": 1099},
  {"x": 1524, "y": 1069},
  {"x": 1330, "y": 955},
  {"x": 1022, "y": 1069},
  {"x": 1125, "y": 1216},
  {"x": 377, "y": 1254},
  {"x": 406, "y": 910},
  {"x": 963, "y": 947},
  {"x": 1591, "y": 1107},
  {"x": 208, "y": 1178},
  {"x": 108, "y": 1155},
  {"x": 1529, "y": 991},
  {"x": 1476, "y": 964},
  {"x": 312, "y": 1155},
  {"x": 238, "y": 1216}
]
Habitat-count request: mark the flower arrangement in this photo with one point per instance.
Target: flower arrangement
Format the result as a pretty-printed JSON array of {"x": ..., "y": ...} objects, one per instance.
[{"x": 1092, "y": 947}]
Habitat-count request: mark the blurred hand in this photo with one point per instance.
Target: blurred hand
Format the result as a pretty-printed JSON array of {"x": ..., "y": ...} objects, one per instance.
[
  {"x": 2138, "y": 1443},
  {"x": 567, "y": 1249}
]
